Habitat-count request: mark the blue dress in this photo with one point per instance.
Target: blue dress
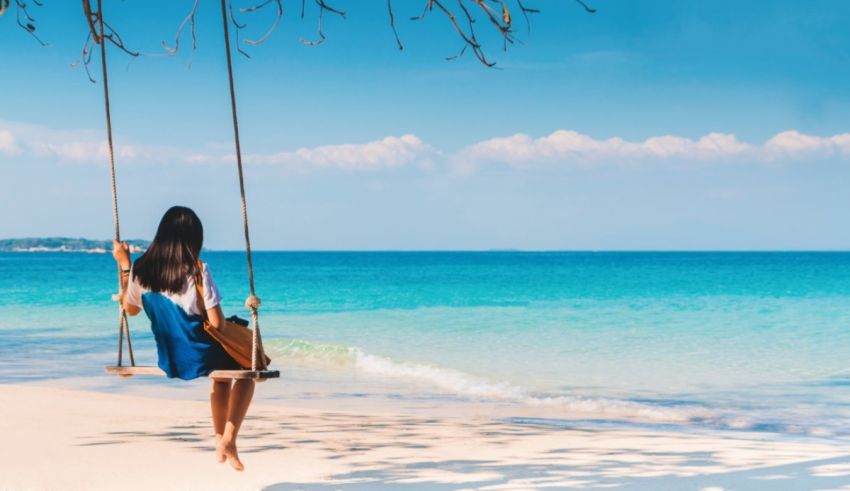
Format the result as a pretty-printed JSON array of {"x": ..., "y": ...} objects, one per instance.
[{"x": 184, "y": 348}]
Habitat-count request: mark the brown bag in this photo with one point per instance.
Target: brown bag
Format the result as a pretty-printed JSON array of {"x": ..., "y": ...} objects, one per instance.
[{"x": 236, "y": 339}]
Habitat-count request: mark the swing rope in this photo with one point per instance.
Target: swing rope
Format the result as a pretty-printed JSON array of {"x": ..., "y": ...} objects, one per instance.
[
  {"x": 123, "y": 324},
  {"x": 252, "y": 302}
]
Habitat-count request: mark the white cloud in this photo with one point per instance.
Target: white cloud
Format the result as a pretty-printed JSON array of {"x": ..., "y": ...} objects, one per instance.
[
  {"x": 89, "y": 146},
  {"x": 7, "y": 143},
  {"x": 794, "y": 143},
  {"x": 197, "y": 158},
  {"x": 87, "y": 151},
  {"x": 562, "y": 147},
  {"x": 570, "y": 145},
  {"x": 389, "y": 152},
  {"x": 65, "y": 145}
]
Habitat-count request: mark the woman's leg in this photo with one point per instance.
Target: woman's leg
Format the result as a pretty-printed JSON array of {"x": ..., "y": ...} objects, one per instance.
[
  {"x": 240, "y": 399},
  {"x": 219, "y": 400}
]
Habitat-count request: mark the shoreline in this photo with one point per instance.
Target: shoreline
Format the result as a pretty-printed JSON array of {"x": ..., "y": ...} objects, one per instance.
[{"x": 72, "y": 439}]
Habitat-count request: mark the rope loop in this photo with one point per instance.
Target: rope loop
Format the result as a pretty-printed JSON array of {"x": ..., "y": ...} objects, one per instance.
[{"x": 252, "y": 303}]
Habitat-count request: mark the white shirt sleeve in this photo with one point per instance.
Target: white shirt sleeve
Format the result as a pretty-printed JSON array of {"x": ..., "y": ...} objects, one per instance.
[
  {"x": 134, "y": 291},
  {"x": 212, "y": 297}
]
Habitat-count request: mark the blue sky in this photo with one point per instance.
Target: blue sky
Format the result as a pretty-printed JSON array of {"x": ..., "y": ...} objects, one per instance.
[{"x": 648, "y": 125}]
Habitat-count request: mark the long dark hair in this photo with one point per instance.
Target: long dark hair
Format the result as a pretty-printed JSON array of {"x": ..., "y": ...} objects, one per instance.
[{"x": 172, "y": 256}]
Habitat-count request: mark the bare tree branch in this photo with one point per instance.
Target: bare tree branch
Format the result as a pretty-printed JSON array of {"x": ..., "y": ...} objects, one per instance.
[
  {"x": 525, "y": 11},
  {"x": 428, "y": 7},
  {"x": 85, "y": 56},
  {"x": 588, "y": 9},
  {"x": 190, "y": 19},
  {"x": 469, "y": 39},
  {"x": 94, "y": 37},
  {"x": 323, "y": 6},
  {"x": 498, "y": 13},
  {"x": 500, "y": 18},
  {"x": 504, "y": 29},
  {"x": 327, "y": 7},
  {"x": 257, "y": 7},
  {"x": 113, "y": 37},
  {"x": 23, "y": 18},
  {"x": 262, "y": 39},
  {"x": 237, "y": 29},
  {"x": 392, "y": 24},
  {"x": 91, "y": 19}
]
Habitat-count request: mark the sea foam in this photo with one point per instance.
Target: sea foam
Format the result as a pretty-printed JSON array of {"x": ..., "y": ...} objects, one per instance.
[{"x": 467, "y": 386}]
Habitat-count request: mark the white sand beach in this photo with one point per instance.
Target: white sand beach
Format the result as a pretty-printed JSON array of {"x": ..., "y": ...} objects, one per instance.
[{"x": 62, "y": 439}]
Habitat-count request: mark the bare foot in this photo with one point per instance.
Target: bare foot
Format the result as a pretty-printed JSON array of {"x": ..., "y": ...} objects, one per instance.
[
  {"x": 228, "y": 450},
  {"x": 219, "y": 450}
]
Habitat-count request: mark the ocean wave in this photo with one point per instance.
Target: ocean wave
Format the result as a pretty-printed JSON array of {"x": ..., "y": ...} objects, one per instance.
[
  {"x": 303, "y": 353},
  {"x": 468, "y": 386},
  {"x": 422, "y": 377}
]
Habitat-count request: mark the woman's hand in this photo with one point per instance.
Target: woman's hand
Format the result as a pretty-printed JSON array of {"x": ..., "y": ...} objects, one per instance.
[{"x": 121, "y": 253}]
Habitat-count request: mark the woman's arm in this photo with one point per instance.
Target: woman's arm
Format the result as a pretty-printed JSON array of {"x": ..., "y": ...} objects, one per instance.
[
  {"x": 215, "y": 316},
  {"x": 121, "y": 253}
]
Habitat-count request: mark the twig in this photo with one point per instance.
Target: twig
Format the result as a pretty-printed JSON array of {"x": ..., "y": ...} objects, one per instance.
[
  {"x": 392, "y": 24},
  {"x": 27, "y": 22},
  {"x": 237, "y": 28},
  {"x": 113, "y": 37},
  {"x": 525, "y": 11},
  {"x": 190, "y": 19},
  {"x": 588, "y": 9},
  {"x": 469, "y": 39},
  {"x": 497, "y": 12},
  {"x": 262, "y": 39},
  {"x": 91, "y": 19},
  {"x": 327, "y": 7},
  {"x": 85, "y": 56},
  {"x": 258, "y": 6},
  {"x": 429, "y": 5},
  {"x": 322, "y": 8},
  {"x": 94, "y": 36}
]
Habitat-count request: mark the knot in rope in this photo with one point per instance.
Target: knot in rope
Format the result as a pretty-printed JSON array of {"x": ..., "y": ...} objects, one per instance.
[{"x": 252, "y": 303}]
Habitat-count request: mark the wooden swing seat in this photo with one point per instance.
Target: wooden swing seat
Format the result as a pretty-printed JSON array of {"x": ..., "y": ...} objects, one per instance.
[{"x": 125, "y": 371}]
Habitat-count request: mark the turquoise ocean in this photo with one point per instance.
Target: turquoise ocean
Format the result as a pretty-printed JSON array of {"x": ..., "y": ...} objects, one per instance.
[{"x": 691, "y": 341}]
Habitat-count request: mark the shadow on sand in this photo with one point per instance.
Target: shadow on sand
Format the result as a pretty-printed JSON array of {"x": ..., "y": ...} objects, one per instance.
[{"x": 405, "y": 453}]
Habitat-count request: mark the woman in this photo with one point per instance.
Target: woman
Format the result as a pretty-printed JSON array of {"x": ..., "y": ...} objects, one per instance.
[{"x": 162, "y": 282}]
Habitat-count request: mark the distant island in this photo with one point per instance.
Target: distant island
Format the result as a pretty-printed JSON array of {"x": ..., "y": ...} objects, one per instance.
[{"x": 66, "y": 244}]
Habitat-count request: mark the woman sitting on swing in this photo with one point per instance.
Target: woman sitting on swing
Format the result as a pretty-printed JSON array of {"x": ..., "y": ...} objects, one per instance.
[{"x": 162, "y": 282}]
